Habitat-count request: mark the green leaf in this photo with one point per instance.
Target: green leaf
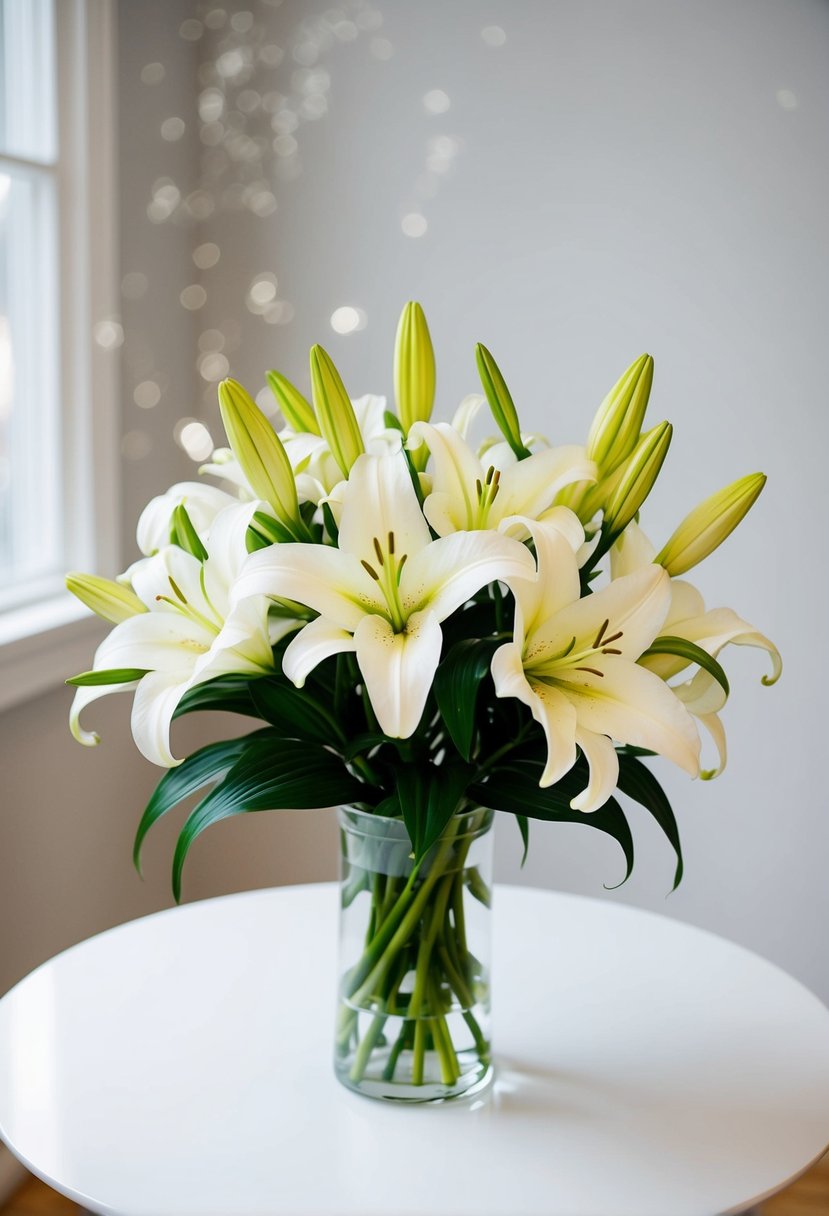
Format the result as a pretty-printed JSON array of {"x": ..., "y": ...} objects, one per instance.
[
  {"x": 187, "y": 538},
  {"x": 428, "y": 797},
  {"x": 514, "y": 787},
  {"x": 208, "y": 764},
  {"x": 524, "y": 828},
  {"x": 457, "y": 683},
  {"x": 681, "y": 649},
  {"x": 230, "y": 694},
  {"x": 114, "y": 675},
  {"x": 293, "y": 711},
  {"x": 271, "y": 774},
  {"x": 639, "y": 783}
]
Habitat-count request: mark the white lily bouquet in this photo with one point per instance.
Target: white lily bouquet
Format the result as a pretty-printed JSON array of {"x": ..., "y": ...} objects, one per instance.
[{"x": 429, "y": 631}]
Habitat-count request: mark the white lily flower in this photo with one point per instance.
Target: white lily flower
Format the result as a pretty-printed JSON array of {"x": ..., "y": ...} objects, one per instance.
[
  {"x": 468, "y": 494},
  {"x": 573, "y": 663},
  {"x": 190, "y": 634},
  {"x": 202, "y": 503},
  {"x": 710, "y": 629},
  {"x": 384, "y": 591}
]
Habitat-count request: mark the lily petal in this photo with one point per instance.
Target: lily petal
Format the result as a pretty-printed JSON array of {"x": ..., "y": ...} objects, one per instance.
[
  {"x": 701, "y": 695},
  {"x": 154, "y": 641},
  {"x": 317, "y": 641},
  {"x": 155, "y": 702},
  {"x": 603, "y": 762},
  {"x": 716, "y": 730},
  {"x": 557, "y": 585},
  {"x": 635, "y": 606},
  {"x": 398, "y": 668},
  {"x": 529, "y": 486},
  {"x": 453, "y": 568},
  {"x": 634, "y": 706},
  {"x": 85, "y": 696},
  {"x": 331, "y": 582},
  {"x": 552, "y": 711},
  {"x": 380, "y": 499},
  {"x": 203, "y": 503},
  {"x": 466, "y": 413},
  {"x": 456, "y": 471},
  {"x": 631, "y": 551}
]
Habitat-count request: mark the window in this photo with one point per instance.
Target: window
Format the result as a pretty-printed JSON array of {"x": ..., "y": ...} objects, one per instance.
[{"x": 58, "y": 386}]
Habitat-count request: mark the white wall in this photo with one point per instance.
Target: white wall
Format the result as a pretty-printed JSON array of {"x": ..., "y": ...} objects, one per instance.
[{"x": 628, "y": 176}]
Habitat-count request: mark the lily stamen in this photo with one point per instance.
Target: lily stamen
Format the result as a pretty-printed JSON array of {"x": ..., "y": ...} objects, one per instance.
[
  {"x": 600, "y": 634},
  {"x": 370, "y": 570},
  {"x": 378, "y": 551}
]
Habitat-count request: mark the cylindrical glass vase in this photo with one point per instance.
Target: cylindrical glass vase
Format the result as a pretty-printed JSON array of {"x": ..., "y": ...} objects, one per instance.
[{"x": 414, "y": 1008}]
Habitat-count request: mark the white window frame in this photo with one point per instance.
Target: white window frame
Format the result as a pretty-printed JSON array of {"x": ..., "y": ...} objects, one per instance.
[{"x": 42, "y": 643}]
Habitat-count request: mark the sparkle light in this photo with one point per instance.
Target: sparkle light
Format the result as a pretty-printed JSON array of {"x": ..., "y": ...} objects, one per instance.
[
  {"x": 191, "y": 30},
  {"x": 436, "y": 101},
  {"x": 108, "y": 334},
  {"x": 414, "y": 224},
  {"x": 206, "y": 255},
  {"x": 172, "y": 129},
  {"x": 215, "y": 19},
  {"x": 281, "y": 312},
  {"x": 493, "y": 35},
  {"x": 347, "y": 319},
  {"x": 211, "y": 339},
  {"x": 193, "y": 297},
  {"x": 242, "y": 22},
  {"x": 152, "y": 73},
  {"x": 263, "y": 289},
  {"x": 271, "y": 55},
  {"x": 211, "y": 105},
  {"x": 195, "y": 438},
  {"x": 213, "y": 366},
  {"x": 786, "y": 99},
  {"x": 147, "y": 394}
]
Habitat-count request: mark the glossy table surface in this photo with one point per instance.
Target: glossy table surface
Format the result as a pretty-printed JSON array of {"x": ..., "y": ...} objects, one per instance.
[{"x": 180, "y": 1065}]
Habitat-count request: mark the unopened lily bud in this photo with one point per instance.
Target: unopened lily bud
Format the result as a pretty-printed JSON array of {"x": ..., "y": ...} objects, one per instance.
[
  {"x": 414, "y": 367},
  {"x": 637, "y": 479},
  {"x": 295, "y": 409},
  {"x": 707, "y": 526},
  {"x": 259, "y": 451},
  {"x": 500, "y": 400},
  {"x": 618, "y": 422},
  {"x": 334, "y": 411},
  {"x": 108, "y": 600}
]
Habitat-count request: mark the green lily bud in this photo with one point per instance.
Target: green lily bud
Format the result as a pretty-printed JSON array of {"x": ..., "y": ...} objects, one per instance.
[
  {"x": 414, "y": 367},
  {"x": 707, "y": 526},
  {"x": 638, "y": 477},
  {"x": 500, "y": 401},
  {"x": 108, "y": 600},
  {"x": 334, "y": 411},
  {"x": 260, "y": 453},
  {"x": 295, "y": 409},
  {"x": 617, "y": 425}
]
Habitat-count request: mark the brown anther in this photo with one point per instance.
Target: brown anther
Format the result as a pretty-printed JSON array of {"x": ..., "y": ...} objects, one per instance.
[
  {"x": 600, "y": 635},
  {"x": 391, "y": 542},
  {"x": 400, "y": 567},
  {"x": 490, "y": 473},
  {"x": 496, "y": 477},
  {"x": 610, "y": 650},
  {"x": 614, "y": 637},
  {"x": 370, "y": 570},
  {"x": 479, "y": 489},
  {"x": 378, "y": 551},
  {"x": 593, "y": 671}
]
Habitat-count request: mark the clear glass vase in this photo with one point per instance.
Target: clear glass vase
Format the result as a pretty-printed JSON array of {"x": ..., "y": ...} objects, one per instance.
[{"x": 413, "y": 1014}]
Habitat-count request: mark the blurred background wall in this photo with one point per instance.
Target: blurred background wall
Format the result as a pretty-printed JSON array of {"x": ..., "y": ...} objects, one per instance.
[{"x": 571, "y": 183}]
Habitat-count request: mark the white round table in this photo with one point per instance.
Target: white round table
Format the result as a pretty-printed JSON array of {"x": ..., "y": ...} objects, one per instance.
[{"x": 180, "y": 1065}]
